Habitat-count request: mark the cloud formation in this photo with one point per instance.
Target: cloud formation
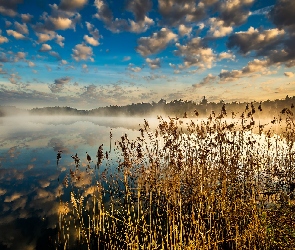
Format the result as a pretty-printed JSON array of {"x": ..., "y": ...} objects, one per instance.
[
  {"x": 72, "y": 5},
  {"x": 209, "y": 79},
  {"x": 176, "y": 12},
  {"x": 283, "y": 14},
  {"x": 3, "y": 39},
  {"x": 276, "y": 44},
  {"x": 234, "y": 12},
  {"x": 226, "y": 56},
  {"x": 59, "y": 19},
  {"x": 117, "y": 25},
  {"x": 31, "y": 64},
  {"x": 82, "y": 52},
  {"x": 255, "y": 66},
  {"x": 90, "y": 40},
  {"x": 50, "y": 35},
  {"x": 153, "y": 63},
  {"x": 126, "y": 58},
  {"x": 289, "y": 74},
  {"x": 45, "y": 47},
  {"x": 155, "y": 43},
  {"x": 218, "y": 28},
  {"x": 139, "y": 9},
  {"x": 195, "y": 54},
  {"x": 133, "y": 69},
  {"x": 15, "y": 34},
  {"x": 184, "y": 30},
  {"x": 260, "y": 40},
  {"x": 20, "y": 55},
  {"x": 59, "y": 84},
  {"x": 26, "y": 18},
  {"x": 190, "y": 35},
  {"x": 21, "y": 28},
  {"x": 55, "y": 54},
  {"x": 9, "y": 8},
  {"x": 92, "y": 30}
]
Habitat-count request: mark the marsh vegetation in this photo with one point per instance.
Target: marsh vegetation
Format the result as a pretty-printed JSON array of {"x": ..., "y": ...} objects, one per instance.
[{"x": 225, "y": 182}]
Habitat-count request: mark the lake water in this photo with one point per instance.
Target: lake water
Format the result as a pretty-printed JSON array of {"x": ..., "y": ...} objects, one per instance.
[{"x": 31, "y": 182}]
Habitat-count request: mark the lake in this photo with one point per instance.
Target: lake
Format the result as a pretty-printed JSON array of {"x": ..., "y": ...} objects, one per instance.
[
  {"x": 31, "y": 182},
  {"x": 35, "y": 186}
]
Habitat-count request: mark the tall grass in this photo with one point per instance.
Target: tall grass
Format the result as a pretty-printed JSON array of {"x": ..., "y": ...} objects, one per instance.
[{"x": 218, "y": 183}]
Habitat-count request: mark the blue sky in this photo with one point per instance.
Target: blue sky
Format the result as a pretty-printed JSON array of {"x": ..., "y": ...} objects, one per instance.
[{"x": 86, "y": 53}]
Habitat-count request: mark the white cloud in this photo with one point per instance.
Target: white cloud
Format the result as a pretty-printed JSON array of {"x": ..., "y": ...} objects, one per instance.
[
  {"x": 207, "y": 80},
  {"x": 2, "y": 191},
  {"x": 218, "y": 28},
  {"x": 155, "y": 43},
  {"x": 126, "y": 58},
  {"x": 82, "y": 52},
  {"x": 235, "y": 12},
  {"x": 58, "y": 20},
  {"x": 7, "y": 11},
  {"x": 31, "y": 64},
  {"x": 55, "y": 54},
  {"x": 91, "y": 40},
  {"x": 184, "y": 30},
  {"x": 289, "y": 74},
  {"x": 15, "y": 34},
  {"x": 116, "y": 25},
  {"x": 133, "y": 69},
  {"x": 45, "y": 47},
  {"x": 13, "y": 197},
  {"x": 201, "y": 26},
  {"x": 59, "y": 84},
  {"x": 226, "y": 55},
  {"x": 20, "y": 55},
  {"x": 8, "y": 24},
  {"x": 153, "y": 63},
  {"x": 50, "y": 35},
  {"x": 21, "y": 28},
  {"x": 60, "y": 23},
  {"x": 59, "y": 40},
  {"x": 175, "y": 12},
  {"x": 44, "y": 37},
  {"x": 255, "y": 66},
  {"x": 3, "y": 39},
  {"x": 195, "y": 54},
  {"x": 142, "y": 26},
  {"x": 26, "y": 18},
  {"x": 253, "y": 39}
]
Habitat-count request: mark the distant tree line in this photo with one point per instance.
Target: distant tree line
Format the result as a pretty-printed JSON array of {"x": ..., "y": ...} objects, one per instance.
[
  {"x": 180, "y": 108},
  {"x": 57, "y": 111},
  {"x": 183, "y": 108}
]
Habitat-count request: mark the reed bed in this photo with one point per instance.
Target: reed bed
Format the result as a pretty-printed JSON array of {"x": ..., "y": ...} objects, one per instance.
[{"x": 221, "y": 183}]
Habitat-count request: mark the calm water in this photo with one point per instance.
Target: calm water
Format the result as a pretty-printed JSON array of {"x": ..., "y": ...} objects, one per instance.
[
  {"x": 31, "y": 180},
  {"x": 32, "y": 184}
]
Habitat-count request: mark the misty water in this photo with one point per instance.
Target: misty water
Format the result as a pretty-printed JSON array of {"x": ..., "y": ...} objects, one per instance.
[{"x": 31, "y": 181}]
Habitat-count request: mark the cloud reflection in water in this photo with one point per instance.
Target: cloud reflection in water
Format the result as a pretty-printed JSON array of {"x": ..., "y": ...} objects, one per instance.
[{"x": 31, "y": 182}]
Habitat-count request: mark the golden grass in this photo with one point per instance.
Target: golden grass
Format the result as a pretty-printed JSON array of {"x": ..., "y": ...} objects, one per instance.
[{"x": 214, "y": 184}]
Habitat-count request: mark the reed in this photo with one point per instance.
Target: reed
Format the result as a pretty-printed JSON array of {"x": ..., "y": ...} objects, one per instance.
[{"x": 216, "y": 183}]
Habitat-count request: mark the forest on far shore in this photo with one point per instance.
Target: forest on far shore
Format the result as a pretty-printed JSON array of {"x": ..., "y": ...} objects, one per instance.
[{"x": 177, "y": 108}]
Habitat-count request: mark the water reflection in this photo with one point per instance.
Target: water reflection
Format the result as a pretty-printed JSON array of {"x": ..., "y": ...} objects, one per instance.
[{"x": 31, "y": 182}]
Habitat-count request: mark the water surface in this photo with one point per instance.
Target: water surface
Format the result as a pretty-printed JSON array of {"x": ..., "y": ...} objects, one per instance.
[{"x": 31, "y": 182}]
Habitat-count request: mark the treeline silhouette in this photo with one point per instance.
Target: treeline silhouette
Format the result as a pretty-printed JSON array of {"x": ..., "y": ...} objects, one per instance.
[{"x": 178, "y": 108}]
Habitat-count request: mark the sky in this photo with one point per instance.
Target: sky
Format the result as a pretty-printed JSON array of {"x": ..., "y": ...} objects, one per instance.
[{"x": 91, "y": 53}]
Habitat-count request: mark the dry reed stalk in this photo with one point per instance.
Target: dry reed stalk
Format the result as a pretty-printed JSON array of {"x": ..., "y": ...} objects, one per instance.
[{"x": 197, "y": 186}]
